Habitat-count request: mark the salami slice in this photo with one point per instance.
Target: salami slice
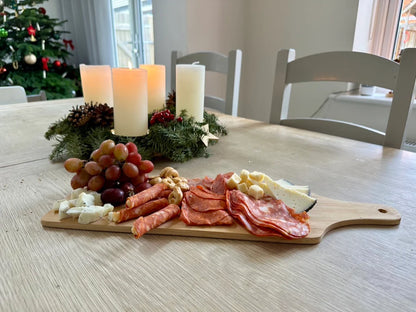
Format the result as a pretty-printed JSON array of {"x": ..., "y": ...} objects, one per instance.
[
  {"x": 219, "y": 185},
  {"x": 214, "y": 217},
  {"x": 202, "y": 192},
  {"x": 269, "y": 213},
  {"x": 203, "y": 204},
  {"x": 252, "y": 228},
  {"x": 144, "y": 224},
  {"x": 142, "y": 210},
  {"x": 146, "y": 195}
]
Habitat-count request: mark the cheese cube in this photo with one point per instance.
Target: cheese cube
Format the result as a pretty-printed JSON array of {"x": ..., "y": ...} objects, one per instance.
[
  {"x": 256, "y": 191},
  {"x": 242, "y": 187},
  {"x": 244, "y": 175},
  {"x": 257, "y": 176},
  {"x": 233, "y": 181}
]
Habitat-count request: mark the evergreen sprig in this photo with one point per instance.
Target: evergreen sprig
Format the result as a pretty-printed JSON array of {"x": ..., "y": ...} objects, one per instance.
[{"x": 178, "y": 141}]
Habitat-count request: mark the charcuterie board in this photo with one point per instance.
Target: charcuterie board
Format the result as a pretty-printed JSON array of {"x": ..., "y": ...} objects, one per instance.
[{"x": 328, "y": 214}]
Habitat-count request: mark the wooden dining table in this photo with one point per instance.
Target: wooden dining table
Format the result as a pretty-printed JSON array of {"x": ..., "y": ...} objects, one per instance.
[{"x": 353, "y": 268}]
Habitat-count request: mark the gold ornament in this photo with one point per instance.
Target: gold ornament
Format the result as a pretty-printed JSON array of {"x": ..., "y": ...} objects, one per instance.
[{"x": 15, "y": 65}]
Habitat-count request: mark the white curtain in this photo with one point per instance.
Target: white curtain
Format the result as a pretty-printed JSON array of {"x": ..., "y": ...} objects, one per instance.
[{"x": 91, "y": 31}]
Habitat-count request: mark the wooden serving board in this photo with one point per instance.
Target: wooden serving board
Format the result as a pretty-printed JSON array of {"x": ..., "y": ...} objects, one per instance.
[{"x": 327, "y": 215}]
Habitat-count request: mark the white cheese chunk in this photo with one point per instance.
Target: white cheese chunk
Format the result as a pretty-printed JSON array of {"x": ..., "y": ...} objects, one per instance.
[
  {"x": 292, "y": 198},
  {"x": 63, "y": 208},
  {"x": 56, "y": 204},
  {"x": 75, "y": 193},
  {"x": 93, "y": 213},
  {"x": 85, "y": 200}
]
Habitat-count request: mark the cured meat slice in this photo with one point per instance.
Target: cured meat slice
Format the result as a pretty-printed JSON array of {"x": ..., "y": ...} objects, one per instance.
[
  {"x": 219, "y": 185},
  {"x": 144, "y": 224},
  {"x": 215, "y": 217},
  {"x": 142, "y": 210},
  {"x": 252, "y": 228},
  {"x": 202, "y": 192},
  {"x": 146, "y": 195},
  {"x": 203, "y": 204},
  {"x": 269, "y": 213}
]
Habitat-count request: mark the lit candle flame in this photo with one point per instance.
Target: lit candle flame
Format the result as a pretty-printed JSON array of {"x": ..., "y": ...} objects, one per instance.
[{"x": 130, "y": 66}]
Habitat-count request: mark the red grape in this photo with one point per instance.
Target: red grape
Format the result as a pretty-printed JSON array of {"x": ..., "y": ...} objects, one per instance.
[
  {"x": 113, "y": 173},
  {"x": 93, "y": 168},
  {"x": 95, "y": 155},
  {"x": 128, "y": 189},
  {"x": 107, "y": 147},
  {"x": 142, "y": 186},
  {"x": 121, "y": 152},
  {"x": 130, "y": 170},
  {"x": 146, "y": 166},
  {"x": 80, "y": 179},
  {"x": 96, "y": 183},
  {"x": 73, "y": 164},
  {"x": 134, "y": 158},
  {"x": 114, "y": 196},
  {"x": 131, "y": 147},
  {"x": 140, "y": 179},
  {"x": 106, "y": 161}
]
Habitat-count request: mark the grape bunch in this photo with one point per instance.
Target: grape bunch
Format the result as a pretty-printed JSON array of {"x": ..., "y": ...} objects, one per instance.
[{"x": 115, "y": 170}]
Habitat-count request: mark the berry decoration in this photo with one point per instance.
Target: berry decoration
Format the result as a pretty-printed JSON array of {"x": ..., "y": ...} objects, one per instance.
[
  {"x": 42, "y": 10},
  {"x": 162, "y": 117}
]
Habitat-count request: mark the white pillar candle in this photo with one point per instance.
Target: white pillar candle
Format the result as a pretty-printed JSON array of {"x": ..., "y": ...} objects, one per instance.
[
  {"x": 96, "y": 84},
  {"x": 130, "y": 101},
  {"x": 156, "y": 86},
  {"x": 190, "y": 90}
]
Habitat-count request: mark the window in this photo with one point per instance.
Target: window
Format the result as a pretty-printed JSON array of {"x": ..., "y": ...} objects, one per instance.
[
  {"x": 392, "y": 27},
  {"x": 406, "y": 33},
  {"x": 133, "y": 25}
]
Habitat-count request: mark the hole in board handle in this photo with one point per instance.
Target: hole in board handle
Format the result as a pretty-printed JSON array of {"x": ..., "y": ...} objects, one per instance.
[{"x": 382, "y": 210}]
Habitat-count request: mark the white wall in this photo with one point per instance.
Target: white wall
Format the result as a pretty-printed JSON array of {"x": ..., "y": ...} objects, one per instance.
[{"x": 260, "y": 29}]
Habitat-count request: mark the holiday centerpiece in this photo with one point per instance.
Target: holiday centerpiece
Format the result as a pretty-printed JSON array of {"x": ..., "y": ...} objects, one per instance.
[
  {"x": 33, "y": 51},
  {"x": 175, "y": 138}
]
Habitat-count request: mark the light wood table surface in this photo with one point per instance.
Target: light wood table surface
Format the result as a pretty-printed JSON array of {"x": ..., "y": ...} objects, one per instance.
[{"x": 356, "y": 268}]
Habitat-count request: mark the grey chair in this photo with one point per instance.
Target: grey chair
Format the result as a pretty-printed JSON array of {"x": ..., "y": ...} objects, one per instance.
[
  {"x": 358, "y": 67},
  {"x": 12, "y": 95},
  {"x": 229, "y": 65},
  {"x": 17, "y": 94},
  {"x": 37, "y": 97}
]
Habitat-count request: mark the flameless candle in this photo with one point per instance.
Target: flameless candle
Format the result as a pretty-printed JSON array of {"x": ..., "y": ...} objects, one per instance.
[
  {"x": 156, "y": 86},
  {"x": 96, "y": 84},
  {"x": 130, "y": 101},
  {"x": 190, "y": 90}
]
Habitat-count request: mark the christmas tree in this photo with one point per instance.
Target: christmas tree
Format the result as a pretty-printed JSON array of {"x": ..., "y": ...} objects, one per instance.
[{"x": 33, "y": 51}]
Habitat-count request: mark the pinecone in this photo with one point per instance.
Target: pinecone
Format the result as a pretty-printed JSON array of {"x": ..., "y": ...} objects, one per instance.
[
  {"x": 103, "y": 115},
  {"x": 80, "y": 115},
  {"x": 171, "y": 101}
]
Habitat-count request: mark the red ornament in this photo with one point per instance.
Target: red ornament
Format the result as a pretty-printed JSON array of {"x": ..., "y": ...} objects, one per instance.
[
  {"x": 45, "y": 61},
  {"x": 31, "y": 30},
  {"x": 57, "y": 63},
  {"x": 3, "y": 70},
  {"x": 42, "y": 10}
]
